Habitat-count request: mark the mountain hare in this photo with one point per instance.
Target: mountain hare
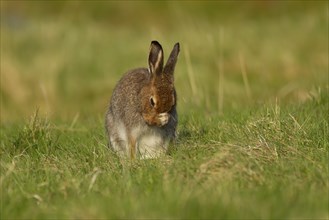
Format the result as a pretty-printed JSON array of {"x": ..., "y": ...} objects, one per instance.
[{"x": 142, "y": 117}]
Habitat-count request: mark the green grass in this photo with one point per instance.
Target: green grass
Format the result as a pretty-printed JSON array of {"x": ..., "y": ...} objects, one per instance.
[
  {"x": 252, "y": 82},
  {"x": 266, "y": 163}
]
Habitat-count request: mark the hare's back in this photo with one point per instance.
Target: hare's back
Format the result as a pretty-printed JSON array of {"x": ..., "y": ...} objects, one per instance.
[
  {"x": 132, "y": 81},
  {"x": 127, "y": 90},
  {"x": 135, "y": 78}
]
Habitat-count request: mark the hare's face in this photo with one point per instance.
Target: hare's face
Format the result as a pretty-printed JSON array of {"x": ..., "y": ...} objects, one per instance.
[
  {"x": 158, "y": 102},
  {"x": 159, "y": 97}
]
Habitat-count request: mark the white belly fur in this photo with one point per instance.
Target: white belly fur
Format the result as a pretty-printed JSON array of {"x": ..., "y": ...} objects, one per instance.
[{"x": 151, "y": 145}]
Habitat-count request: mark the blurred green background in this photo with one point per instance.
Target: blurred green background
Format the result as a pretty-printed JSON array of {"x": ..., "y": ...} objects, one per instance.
[{"x": 64, "y": 57}]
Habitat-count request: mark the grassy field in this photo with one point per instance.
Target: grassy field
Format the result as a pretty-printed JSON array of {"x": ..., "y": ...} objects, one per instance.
[{"x": 253, "y": 102}]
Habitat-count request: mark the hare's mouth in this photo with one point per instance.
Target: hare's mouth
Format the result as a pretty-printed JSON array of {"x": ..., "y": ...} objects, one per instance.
[{"x": 163, "y": 118}]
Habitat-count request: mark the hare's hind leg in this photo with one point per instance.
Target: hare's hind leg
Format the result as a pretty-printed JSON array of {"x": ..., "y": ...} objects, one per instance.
[
  {"x": 117, "y": 137},
  {"x": 119, "y": 145}
]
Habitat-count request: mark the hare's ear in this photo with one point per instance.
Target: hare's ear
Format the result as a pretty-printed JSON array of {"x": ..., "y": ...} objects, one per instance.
[
  {"x": 171, "y": 63},
  {"x": 156, "y": 58}
]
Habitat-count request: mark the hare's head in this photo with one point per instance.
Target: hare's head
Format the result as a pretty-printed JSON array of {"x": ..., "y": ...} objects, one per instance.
[{"x": 159, "y": 97}]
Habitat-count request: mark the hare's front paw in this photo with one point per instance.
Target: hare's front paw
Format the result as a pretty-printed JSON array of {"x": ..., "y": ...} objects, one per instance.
[{"x": 163, "y": 118}]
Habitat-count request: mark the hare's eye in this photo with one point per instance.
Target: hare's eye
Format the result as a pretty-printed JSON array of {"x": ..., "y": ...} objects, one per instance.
[{"x": 152, "y": 103}]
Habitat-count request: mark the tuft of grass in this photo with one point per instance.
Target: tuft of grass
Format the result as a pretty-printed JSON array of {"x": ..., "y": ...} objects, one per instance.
[{"x": 35, "y": 136}]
